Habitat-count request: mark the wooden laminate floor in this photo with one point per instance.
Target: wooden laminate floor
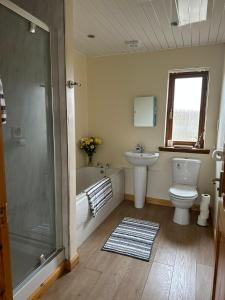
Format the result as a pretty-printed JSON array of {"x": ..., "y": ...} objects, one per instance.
[{"x": 181, "y": 264}]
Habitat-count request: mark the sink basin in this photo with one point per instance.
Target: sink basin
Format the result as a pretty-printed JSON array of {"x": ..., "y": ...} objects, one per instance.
[{"x": 141, "y": 159}]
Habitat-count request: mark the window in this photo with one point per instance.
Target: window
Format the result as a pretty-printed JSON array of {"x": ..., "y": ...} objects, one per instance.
[{"x": 186, "y": 108}]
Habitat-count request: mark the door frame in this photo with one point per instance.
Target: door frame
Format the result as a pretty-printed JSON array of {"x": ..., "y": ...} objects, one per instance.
[{"x": 220, "y": 226}]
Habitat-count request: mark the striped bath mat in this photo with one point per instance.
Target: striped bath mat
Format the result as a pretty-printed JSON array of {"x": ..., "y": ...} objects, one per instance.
[{"x": 133, "y": 237}]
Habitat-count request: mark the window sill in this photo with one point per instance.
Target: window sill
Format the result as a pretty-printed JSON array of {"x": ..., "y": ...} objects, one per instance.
[{"x": 184, "y": 150}]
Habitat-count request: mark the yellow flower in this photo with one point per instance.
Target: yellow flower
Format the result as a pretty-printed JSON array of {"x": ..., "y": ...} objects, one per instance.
[
  {"x": 89, "y": 142},
  {"x": 98, "y": 141}
]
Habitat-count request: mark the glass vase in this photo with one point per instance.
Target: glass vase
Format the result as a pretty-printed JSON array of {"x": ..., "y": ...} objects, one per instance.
[{"x": 90, "y": 163}]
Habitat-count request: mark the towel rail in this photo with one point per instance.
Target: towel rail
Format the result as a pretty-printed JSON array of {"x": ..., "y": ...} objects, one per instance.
[{"x": 71, "y": 84}]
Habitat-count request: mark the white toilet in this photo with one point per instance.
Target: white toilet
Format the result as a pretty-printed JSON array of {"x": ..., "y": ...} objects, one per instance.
[{"x": 183, "y": 192}]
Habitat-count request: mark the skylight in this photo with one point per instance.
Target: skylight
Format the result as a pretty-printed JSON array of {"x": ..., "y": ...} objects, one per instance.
[{"x": 186, "y": 12}]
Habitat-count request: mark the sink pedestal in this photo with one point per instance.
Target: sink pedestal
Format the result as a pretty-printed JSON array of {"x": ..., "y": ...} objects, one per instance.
[
  {"x": 140, "y": 161},
  {"x": 140, "y": 186}
]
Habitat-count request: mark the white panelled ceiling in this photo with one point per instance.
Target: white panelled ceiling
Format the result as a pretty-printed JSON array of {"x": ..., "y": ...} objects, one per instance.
[{"x": 146, "y": 24}]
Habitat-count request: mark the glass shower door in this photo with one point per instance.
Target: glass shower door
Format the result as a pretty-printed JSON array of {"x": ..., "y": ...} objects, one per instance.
[{"x": 28, "y": 142}]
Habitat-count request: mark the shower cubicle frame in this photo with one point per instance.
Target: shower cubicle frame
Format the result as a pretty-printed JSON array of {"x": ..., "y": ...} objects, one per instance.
[{"x": 35, "y": 279}]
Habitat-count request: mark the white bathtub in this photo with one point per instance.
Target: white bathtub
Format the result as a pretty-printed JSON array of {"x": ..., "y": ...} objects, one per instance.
[{"x": 87, "y": 176}]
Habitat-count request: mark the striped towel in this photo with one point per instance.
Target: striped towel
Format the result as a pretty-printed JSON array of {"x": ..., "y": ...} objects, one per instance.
[
  {"x": 99, "y": 194},
  {"x": 2, "y": 104}
]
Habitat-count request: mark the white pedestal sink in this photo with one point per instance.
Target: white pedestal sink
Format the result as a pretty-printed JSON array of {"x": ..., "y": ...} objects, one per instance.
[{"x": 140, "y": 161}]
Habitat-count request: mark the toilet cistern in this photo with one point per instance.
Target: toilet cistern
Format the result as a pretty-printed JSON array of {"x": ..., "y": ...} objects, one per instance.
[{"x": 141, "y": 161}]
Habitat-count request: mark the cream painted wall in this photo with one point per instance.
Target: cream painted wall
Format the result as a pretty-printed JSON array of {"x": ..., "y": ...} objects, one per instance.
[
  {"x": 80, "y": 70},
  {"x": 114, "y": 81}
]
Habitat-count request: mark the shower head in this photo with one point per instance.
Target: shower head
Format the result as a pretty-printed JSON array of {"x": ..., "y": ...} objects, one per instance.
[{"x": 32, "y": 27}]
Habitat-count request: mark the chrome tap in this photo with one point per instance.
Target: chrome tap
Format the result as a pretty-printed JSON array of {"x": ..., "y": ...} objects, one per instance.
[
  {"x": 140, "y": 148},
  {"x": 100, "y": 164}
]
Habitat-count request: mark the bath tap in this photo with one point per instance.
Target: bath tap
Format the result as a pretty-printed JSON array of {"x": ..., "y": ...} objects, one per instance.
[
  {"x": 102, "y": 167},
  {"x": 139, "y": 148},
  {"x": 100, "y": 164}
]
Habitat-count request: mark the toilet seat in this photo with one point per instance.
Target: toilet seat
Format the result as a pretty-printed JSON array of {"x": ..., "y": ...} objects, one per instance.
[{"x": 185, "y": 192}]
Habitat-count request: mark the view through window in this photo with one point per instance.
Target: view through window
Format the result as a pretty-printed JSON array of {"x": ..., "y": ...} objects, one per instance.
[{"x": 186, "y": 109}]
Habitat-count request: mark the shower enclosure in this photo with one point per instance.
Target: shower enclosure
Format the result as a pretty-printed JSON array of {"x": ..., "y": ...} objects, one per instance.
[{"x": 25, "y": 72}]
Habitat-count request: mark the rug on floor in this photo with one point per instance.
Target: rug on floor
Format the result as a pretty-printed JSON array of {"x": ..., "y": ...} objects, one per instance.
[{"x": 133, "y": 237}]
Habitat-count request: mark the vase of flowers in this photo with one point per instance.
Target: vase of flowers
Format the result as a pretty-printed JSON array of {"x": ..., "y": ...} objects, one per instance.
[{"x": 89, "y": 145}]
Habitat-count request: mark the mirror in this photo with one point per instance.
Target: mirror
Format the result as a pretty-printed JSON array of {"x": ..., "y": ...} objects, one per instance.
[{"x": 145, "y": 111}]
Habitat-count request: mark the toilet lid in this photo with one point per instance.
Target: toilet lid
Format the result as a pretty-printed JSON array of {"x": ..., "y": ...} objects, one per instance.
[{"x": 183, "y": 191}]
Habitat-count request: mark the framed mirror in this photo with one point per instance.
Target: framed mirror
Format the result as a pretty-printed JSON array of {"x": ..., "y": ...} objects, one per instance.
[{"x": 145, "y": 111}]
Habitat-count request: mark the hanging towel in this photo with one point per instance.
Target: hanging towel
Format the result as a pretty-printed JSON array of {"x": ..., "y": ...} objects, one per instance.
[
  {"x": 99, "y": 194},
  {"x": 2, "y": 104}
]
